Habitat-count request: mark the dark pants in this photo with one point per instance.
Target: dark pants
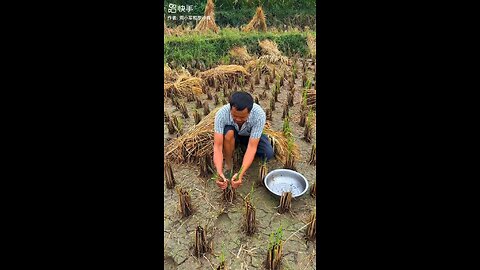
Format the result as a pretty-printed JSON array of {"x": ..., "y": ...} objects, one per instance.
[{"x": 264, "y": 149}]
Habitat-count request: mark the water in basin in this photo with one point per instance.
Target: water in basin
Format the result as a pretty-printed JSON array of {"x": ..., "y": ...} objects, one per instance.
[{"x": 281, "y": 184}]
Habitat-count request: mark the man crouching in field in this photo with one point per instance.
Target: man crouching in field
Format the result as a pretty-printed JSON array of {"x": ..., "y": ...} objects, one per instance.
[{"x": 240, "y": 122}]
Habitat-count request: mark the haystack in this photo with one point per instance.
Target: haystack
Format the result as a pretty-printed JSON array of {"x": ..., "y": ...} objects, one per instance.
[
  {"x": 208, "y": 20},
  {"x": 272, "y": 58},
  {"x": 198, "y": 142},
  {"x": 225, "y": 73},
  {"x": 269, "y": 47},
  {"x": 258, "y": 22},
  {"x": 265, "y": 64},
  {"x": 184, "y": 85},
  {"x": 171, "y": 75},
  {"x": 240, "y": 54},
  {"x": 311, "y": 42}
]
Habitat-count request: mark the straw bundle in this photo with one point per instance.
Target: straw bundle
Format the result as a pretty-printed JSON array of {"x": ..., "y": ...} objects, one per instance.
[
  {"x": 258, "y": 22},
  {"x": 311, "y": 42},
  {"x": 280, "y": 144},
  {"x": 171, "y": 75},
  {"x": 272, "y": 57},
  {"x": 183, "y": 85},
  {"x": 275, "y": 59},
  {"x": 259, "y": 66},
  {"x": 195, "y": 143},
  {"x": 225, "y": 74},
  {"x": 269, "y": 47},
  {"x": 240, "y": 54},
  {"x": 208, "y": 20},
  {"x": 268, "y": 64},
  {"x": 198, "y": 142}
]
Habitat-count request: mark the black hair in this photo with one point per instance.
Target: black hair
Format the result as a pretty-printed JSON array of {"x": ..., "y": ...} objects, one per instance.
[{"x": 241, "y": 100}]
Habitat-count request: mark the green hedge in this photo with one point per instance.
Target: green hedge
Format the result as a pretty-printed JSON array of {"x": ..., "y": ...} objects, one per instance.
[
  {"x": 278, "y": 20},
  {"x": 212, "y": 48},
  {"x": 277, "y": 13}
]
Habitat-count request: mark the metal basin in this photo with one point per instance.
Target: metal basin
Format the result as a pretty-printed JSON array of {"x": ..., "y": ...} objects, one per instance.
[{"x": 284, "y": 180}]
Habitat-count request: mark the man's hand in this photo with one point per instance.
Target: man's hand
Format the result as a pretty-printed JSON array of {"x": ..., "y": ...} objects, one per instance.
[
  {"x": 236, "y": 184},
  {"x": 223, "y": 185}
]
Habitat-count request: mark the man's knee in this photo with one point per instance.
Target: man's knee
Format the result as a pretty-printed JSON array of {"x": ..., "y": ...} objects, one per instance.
[
  {"x": 229, "y": 136},
  {"x": 266, "y": 153},
  {"x": 269, "y": 154}
]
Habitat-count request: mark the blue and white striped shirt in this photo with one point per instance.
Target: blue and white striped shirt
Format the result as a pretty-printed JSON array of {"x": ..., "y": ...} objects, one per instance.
[{"x": 253, "y": 127}]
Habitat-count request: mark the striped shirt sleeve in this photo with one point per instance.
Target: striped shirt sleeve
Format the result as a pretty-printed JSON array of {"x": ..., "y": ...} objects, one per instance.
[
  {"x": 220, "y": 121},
  {"x": 258, "y": 125}
]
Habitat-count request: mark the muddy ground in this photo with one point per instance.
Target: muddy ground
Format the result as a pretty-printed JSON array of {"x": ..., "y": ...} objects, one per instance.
[{"x": 223, "y": 221}]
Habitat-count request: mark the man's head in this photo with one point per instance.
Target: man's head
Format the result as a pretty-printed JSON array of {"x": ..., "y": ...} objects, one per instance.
[{"x": 241, "y": 103}]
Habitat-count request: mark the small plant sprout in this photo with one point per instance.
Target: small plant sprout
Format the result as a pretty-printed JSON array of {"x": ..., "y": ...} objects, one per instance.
[
  {"x": 287, "y": 131},
  {"x": 275, "y": 248}
]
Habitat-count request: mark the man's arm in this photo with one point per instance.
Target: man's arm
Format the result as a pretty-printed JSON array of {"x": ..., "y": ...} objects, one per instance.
[
  {"x": 219, "y": 126},
  {"x": 218, "y": 153},
  {"x": 218, "y": 159}
]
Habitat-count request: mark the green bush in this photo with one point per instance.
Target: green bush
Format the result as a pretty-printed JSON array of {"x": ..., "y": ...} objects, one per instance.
[{"x": 213, "y": 49}]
